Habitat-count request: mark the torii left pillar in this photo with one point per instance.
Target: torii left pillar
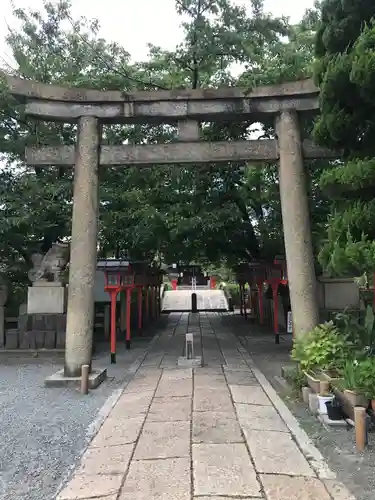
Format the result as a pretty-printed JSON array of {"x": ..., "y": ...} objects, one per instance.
[{"x": 83, "y": 249}]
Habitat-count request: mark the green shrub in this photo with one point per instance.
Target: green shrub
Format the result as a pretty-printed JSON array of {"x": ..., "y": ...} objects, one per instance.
[
  {"x": 365, "y": 377},
  {"x": 324, "y": 347}
]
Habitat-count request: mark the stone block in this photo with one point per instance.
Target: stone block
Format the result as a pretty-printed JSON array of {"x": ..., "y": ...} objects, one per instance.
[
  {"x": 163, "y": 440},
  {"x": 313, "y": 402},
  {"x": 224, "y": 469},
  {"x": 306, "y": 391},
  {"x": 215, "y": 427},
  {"x": 212, "y": 400},
  {"x": 96, "y": 377},
  {"x": 60, "y": 340},
  {"x": 106, "y": 460},
  {"x": 167, "y": 479},
  {"x": 213, "y": 381},
  {"x": 262, "y": 418},
  {"x": 276, "y": 453},
  {"x": 83, "y": 486},
  {"x": 240, "y": 378},
  {"x": 278, "y": 487},
  {"x": 170, "y": 409},
  {"x": 27, "y": 340},
  {"x": 39, "y": 336},
  {"x": 194, "y": 362},
  {"x": 11, "y": 338},
  {"x": 118, "y": 431},
  {"x": 249, "y": 395},
  {"x": 142, "y": 385},
  {"x": 168, "y": 388},
  {"x": 46, "y": 300},
  {"x": 133, "y": 404}
]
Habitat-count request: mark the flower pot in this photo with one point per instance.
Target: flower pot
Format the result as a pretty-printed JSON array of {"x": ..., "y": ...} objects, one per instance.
[
  {"x": 331, "y": 376},
  {"x": 313, "y": 381},
  {"x": 355, "y": 399},
  {"x": 322, "y": 403},
  {"x": 334, "y": 410}
]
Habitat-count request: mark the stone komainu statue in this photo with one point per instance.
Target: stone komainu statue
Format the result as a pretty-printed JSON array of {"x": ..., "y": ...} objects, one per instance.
[{"x": 49, "y": 267}]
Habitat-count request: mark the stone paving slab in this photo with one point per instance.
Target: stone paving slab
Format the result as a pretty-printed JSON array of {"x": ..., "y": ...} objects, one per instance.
[
  {"x": 223, "y": 469},
  {"x": 170, "y": 409},
  {"x": 163, "y": 440},
  {"x": 234, "y": 444},
  {"x": 167, "y": 388},
  {"x": 216, "y": 427},
  {"x": 106, "y": 460},
  {"x": 210, "y": 399},
  {"x": 84, "y": 486},
  {"x": 253, "y": 395},
  {"x": 276, "y": 453},
  {"x": 118, "y": 431},
  {"x": 261, "y": 418},
  {"x": 279, "y": 487},
  {"x": 158, "y": 480}
]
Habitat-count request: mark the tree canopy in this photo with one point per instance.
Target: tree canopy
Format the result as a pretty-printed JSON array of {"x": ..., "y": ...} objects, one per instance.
[
  {"x": 345, "y": 72},
  {"x": 206, "y": 213}
]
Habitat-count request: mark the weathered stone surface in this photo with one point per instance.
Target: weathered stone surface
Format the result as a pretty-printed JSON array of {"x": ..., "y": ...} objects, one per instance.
[
  {"x": 236, "y": 377},
  {"x": 84, "y": 486},
  {"x": 142, "y": 385},
  {"x": 338, "y": 490},
  {"x": 118, "y": 431},
  {"x": 83, "y": 248},
  {"x": 106, "y": 460},
  {"x": 223, "y": 469},
  {"x": 212, "y": 400},
  {"x": 177, "y": 374},
  {"x": 293, "y": 488},
  {"x": 158, "y": 480},
  {"x": 167, "y": 388},
  {"x": 224, "y": 498},
  {"x": 163, "y": 440},
  {"x": 183, "y": 153},
  {"x": 214, "y": 427},
  {"x": 249, "y": 394},
  {"x": 257, "y": 417},
  {"x": 276, "y": 453},
  {"x": 213, "y": 381},
  {"x": 133, "y": 404},
  {"x": 170, "y": 409},
  {"x": 296, "y": 223}
]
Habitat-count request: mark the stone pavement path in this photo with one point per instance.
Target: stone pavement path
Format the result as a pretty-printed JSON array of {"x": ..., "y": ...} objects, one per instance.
[{"x": 213, "y": 433}]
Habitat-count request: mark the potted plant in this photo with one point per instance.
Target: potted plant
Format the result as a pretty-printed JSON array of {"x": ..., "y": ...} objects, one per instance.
[
  {"x": 351, "y": 376},
  {"x": 366, "y": 379},
  {"x": 323, "y": 348}
]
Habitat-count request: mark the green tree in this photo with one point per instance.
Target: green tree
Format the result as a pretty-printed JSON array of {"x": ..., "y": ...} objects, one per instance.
[{"x": 345, "y": 72}]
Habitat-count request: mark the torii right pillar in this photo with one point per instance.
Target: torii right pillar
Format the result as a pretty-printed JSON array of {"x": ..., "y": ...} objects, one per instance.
[{"x": 296, "y": 224}]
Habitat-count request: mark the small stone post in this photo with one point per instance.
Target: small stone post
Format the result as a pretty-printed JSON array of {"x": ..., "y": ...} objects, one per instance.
[
  {"x": 83, "y": 250},
  {"x": 296, "y": 224}
]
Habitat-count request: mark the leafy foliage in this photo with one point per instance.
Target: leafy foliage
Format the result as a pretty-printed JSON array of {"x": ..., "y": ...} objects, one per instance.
[
  {"x": 324, "y": 347},
  {"x": 345, "y": 72}
]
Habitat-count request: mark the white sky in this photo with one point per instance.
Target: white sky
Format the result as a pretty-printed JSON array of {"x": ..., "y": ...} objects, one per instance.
[{"x": 134, "y": 23}]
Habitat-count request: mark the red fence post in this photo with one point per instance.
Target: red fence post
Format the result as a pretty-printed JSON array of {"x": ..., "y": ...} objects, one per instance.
[
  {"x": 128, "y": 313},
  {"x": 113, "y": 294},
  {"x": 140, "y": 311}
]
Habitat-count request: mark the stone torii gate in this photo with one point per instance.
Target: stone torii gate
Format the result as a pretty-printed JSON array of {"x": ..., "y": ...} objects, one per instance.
[{"x": 186, "y": 108}]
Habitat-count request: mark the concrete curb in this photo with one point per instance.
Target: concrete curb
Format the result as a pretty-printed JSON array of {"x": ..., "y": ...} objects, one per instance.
[{"x": 106, "y": 409}]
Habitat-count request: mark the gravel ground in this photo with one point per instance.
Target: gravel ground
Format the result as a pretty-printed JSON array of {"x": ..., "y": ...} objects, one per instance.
[
  {"x": 337, "y": 445},
  {"x": 44, "y": 431}
]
